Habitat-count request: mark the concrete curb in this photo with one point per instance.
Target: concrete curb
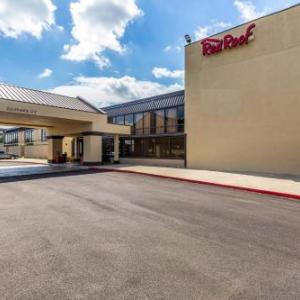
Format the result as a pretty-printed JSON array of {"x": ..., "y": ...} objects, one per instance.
[{"x": 228, "y": 186}]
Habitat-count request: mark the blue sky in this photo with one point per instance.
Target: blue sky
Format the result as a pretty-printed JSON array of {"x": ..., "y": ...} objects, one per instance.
[{"x": 110, "y": 51}]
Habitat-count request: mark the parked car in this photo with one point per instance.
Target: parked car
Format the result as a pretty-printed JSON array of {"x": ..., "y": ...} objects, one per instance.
[{"x": 6, "y": 155}]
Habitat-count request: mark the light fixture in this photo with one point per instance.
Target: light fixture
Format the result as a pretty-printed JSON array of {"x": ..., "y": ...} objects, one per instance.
[{"x": 188, "y": 38}]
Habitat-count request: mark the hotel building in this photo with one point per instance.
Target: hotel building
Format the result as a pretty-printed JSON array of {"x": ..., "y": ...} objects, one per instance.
[{"x": 239, "y": 111}]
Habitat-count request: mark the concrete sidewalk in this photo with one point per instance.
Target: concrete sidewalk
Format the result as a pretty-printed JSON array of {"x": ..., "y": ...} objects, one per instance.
[{"x": 276, "y": 185}]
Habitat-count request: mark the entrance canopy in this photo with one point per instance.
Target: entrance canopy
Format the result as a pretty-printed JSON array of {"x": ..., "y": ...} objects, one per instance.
[
  {"x": 62, "y": 115},
  {"x": 33, "y": 108}
]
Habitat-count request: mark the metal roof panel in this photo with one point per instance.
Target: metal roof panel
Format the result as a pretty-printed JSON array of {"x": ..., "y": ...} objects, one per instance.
[
  {"x": 24, "y": 95},
  {"x": 147, "y": 104}
]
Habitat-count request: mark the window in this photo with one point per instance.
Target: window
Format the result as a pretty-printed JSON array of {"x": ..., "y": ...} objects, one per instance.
[
  {"x": 28, "y": 136},
  {"x": 126, "y": 147},
  {"x": 129, "y": 120},
  {"x": 139, "y": 123},
  {"x": 158, "y": 147},
  {"x": 120, "y": 120},
  {"x": 171, "y": 115},
  {"x": 44, "y": 133},
  {"x": 147, "y": 123},
  {"x": 110, "y": 120},
  {"x": 177, "y": 147},
  {"x": 180, "y": 118},
  {"x": 138, "y": 148},
  {"x": 153, "y": 123},
  {"x": 163, "y": 147},
  {"x": 160, "y": 121},
  {"x": 11, "y": 138},
  {"x": 149, "y": 147}
]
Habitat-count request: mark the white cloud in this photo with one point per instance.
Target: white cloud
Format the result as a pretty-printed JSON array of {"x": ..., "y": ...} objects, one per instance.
[
  {"x": 170, "y": 48},
  {"x": 205, "y": 31},
  {"x": 164, "y": 72},
  {"x": 60, "y": 28},
  {"x": 30, "y": 17},
  {"x": 178, "y": 48},
  {"x": 104, "y": 91},
  {"x": 248, "y": 10},
  {"x": 99, "y": 25},
  {"x": 46, "y": 73}
]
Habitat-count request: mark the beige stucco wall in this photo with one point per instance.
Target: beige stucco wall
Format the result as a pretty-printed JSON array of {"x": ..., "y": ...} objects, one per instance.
[
  {"x": 92, "y": 149},
  {"x": 59, "y": 121},
  {"x": 242, "y": 106},
  {"x": 36, "y": 151},
  {"x": 41, "y": 150}
]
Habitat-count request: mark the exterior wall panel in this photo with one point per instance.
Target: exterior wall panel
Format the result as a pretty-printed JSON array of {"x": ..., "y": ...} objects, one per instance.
[
  {"x": 242, "y": 105},
  {"x": 36, "y": 151}
]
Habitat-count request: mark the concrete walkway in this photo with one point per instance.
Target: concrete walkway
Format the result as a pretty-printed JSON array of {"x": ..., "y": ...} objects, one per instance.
[{"x": 286, "y": 186}]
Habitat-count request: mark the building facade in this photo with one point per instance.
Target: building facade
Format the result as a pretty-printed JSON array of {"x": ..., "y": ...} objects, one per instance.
[
  {"x": 33, "y": 143},
  {"x": 157, "y": 130},
  {"x": 27, "y": 142},
  {"x": 156, "y": 134},
  {"x": 242, "y": 97},
  {"x": 66, "y": 118},
  {"x": 239, "y": 111}
]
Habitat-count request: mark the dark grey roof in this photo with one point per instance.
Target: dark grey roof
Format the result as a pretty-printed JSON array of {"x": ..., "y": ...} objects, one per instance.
[
  {"x": 24, "y": 95},
  {"x": 147, "y": 104}
]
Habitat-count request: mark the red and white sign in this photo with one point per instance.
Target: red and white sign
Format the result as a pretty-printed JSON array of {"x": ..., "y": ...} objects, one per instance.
[{"x": 213, "y": 46}]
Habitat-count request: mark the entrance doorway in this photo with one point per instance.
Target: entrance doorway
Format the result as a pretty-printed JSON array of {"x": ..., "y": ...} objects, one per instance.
[{"x": 108, "y": 149}]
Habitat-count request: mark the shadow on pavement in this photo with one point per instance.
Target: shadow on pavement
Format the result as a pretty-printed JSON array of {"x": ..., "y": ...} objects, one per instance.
[{"x": 50, "y": 175}]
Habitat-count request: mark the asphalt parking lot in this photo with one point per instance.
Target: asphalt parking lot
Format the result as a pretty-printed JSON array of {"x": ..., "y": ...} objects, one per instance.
[{"x": 121, "y": 236}]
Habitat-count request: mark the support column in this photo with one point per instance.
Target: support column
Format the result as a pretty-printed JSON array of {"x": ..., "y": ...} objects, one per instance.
[
  {"x": 116, "y": 149},
  {"x": 55, "y": 147},
  {"x": 92, "y": 149},
  {"x": 75, "y": 149}
]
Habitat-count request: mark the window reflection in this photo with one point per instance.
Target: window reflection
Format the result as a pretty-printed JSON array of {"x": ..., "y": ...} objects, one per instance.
[
  {"x": 147, "y": 123},
  {"x": 129, "y": 120},
  {"x": 171, "y": 115},
  {"x": 120, "y": 120},
  {"x": 139, "y": 124},
  {"x": 158, "y": 147},
  {"x": 170, "y": 120},
  {"x": 28, "y": 136},
  {"x": 180, "y": 118},
  {"x": 160, "y": 121}
]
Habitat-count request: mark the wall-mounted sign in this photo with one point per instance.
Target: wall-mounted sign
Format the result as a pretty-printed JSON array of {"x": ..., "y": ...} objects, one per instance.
[
  {"x": 21, "y": 110},
  {"x": 213, "y": 46}
]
